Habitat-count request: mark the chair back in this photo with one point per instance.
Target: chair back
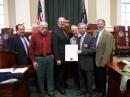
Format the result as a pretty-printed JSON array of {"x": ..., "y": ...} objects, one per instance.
[
  {"x": 8, "y": 31},
  {"x": 92, "y": 27},
  {"x": 129, "y": 33},
  {"x": 5, "y": 34},
  {"x": 120, "y": 36}
]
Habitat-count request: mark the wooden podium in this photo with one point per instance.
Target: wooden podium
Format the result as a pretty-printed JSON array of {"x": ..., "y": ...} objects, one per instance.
[
  {"x": 114, "y": 79},
  {"x": 7, "y": 59},
  {"x": 16, "y": 89}
]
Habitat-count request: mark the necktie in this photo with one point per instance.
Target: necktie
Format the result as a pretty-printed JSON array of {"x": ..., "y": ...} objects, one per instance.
[
  {"x": 81, "y": 42},
  {"x": 25, "y": 44},
  {"x": 97, "y": 34},
  {"x": 66, "y": 34}
]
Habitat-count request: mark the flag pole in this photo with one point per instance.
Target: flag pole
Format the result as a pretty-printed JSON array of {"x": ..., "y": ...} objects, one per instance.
[
  {"x": 83, "y": 13},
  {"x": 40, "y": 17}
]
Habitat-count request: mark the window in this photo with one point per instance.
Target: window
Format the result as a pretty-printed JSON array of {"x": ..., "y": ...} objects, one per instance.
[{"x": 125, "y": 12}]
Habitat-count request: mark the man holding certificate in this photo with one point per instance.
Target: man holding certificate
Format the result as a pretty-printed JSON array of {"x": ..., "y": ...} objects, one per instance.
[{"x": 87, "y": 48}]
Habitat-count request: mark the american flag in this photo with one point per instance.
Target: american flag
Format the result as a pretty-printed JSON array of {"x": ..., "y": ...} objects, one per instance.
[
  {"x": 83, "y": 18},
  {"x": 40, "y": 14}
]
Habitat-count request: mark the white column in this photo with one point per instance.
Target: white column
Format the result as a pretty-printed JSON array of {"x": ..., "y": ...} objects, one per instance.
[
  {"x": 23, "y": 12},
  {"x": 86, "y": 5},
  {"x": 118, "y": 12},
  {"x": 6, "y": 19},
  {"x": 103, "y": 11}
]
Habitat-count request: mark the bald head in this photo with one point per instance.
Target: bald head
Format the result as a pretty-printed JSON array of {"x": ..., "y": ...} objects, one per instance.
[
  {"x": 61, "y": 19},
  {"x": 74, "y": 27},
  {"x": 75, "y": 30},
  {"x": 35, "y": 27},
  {"x": 61, "y": 22},
  {"x": 43, "y": 27},
  {"x": 43, "y": 24}
]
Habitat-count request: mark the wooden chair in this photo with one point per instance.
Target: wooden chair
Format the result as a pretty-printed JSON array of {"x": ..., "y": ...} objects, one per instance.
[
  {"x": 5, "y": 34},
  {"x": 91, "y": 28},
  {"x": 129, "y": 35},
  {"x": 121, "y": 42}
]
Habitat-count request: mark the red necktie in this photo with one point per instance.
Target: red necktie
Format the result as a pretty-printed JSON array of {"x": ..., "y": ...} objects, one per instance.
[{"x": 66, "y": 34}]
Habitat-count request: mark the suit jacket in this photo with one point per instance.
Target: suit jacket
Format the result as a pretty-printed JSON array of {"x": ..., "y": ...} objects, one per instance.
[
  {"x": 59, "y": 40},
  {"x": 15, "y": 45},
  {"x": 86, "y": 58},
  {"x": 104, "y": 48}
]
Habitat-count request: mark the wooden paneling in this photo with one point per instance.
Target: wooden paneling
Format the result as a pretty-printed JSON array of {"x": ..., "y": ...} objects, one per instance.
[{"x": 7, "y": 59}]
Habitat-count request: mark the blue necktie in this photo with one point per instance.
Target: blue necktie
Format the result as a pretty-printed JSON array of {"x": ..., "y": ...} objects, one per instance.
[{"x": 97, "y": 34}]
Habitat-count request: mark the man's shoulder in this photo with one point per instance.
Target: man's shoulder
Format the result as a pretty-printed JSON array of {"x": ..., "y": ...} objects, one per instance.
[
  {"x": 90, "y": 36},
  {"x": 14, "y": 36},
  {"x": 107, "y": 32},
  {"x": 56, "y": 29}
]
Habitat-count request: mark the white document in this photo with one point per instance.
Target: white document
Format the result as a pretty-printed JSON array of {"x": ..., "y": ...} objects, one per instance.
[
  {"x": 20, "y": 70},
  {"x": 71, "y": 52},
  {"x": 126, "y": 62},
  {"x": 9, "y": 81},
  {"x": 14, "y": 70},
  {"x": 6, "y": 70}
]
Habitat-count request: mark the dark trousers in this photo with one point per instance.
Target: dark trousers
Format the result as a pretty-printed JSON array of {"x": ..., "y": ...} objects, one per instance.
[
  {"x": 86, "y": 80},
  {"x": 59, "y": 75},
  {"x": 100, "y": 79},
  {"x": 75, "y": 67},
  {"x": 45, "y": 69}
]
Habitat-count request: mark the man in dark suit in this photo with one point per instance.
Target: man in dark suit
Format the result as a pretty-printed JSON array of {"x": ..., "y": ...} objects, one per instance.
[
  {"x": 18, "y": 44},
  {"x": 86, "y": 53},
  {"x": 59, "y": 39}
]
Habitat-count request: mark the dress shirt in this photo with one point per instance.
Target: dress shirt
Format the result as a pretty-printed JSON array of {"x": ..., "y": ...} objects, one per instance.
[
  {"x": 40, "y": 45},
  {"x": 73, "y": 40},
  {"x": 99, "y": 35}
]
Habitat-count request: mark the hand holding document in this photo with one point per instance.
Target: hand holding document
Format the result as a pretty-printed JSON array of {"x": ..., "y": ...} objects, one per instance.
[{"x": 71, "y": 52}]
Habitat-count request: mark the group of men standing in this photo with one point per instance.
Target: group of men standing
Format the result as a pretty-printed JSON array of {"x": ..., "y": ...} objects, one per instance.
[{"x": 46, "y": 52}]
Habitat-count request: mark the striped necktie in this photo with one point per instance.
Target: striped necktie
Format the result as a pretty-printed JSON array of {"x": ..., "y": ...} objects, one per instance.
[{"x": 25, "y": 44}]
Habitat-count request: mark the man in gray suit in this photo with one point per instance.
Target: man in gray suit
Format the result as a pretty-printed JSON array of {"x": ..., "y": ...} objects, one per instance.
[
  {"x": 104, "y": 46},
  {"x": 86, "y": 53}
]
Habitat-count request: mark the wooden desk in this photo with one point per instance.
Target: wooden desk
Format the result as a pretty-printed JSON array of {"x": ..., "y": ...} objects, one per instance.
[
  {"x": 114, "y": 78},
  {"x": 17, "y": 89}
]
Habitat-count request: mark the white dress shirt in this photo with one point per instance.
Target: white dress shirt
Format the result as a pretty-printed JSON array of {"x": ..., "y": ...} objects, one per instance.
[{"x": 100, "y": 34}]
